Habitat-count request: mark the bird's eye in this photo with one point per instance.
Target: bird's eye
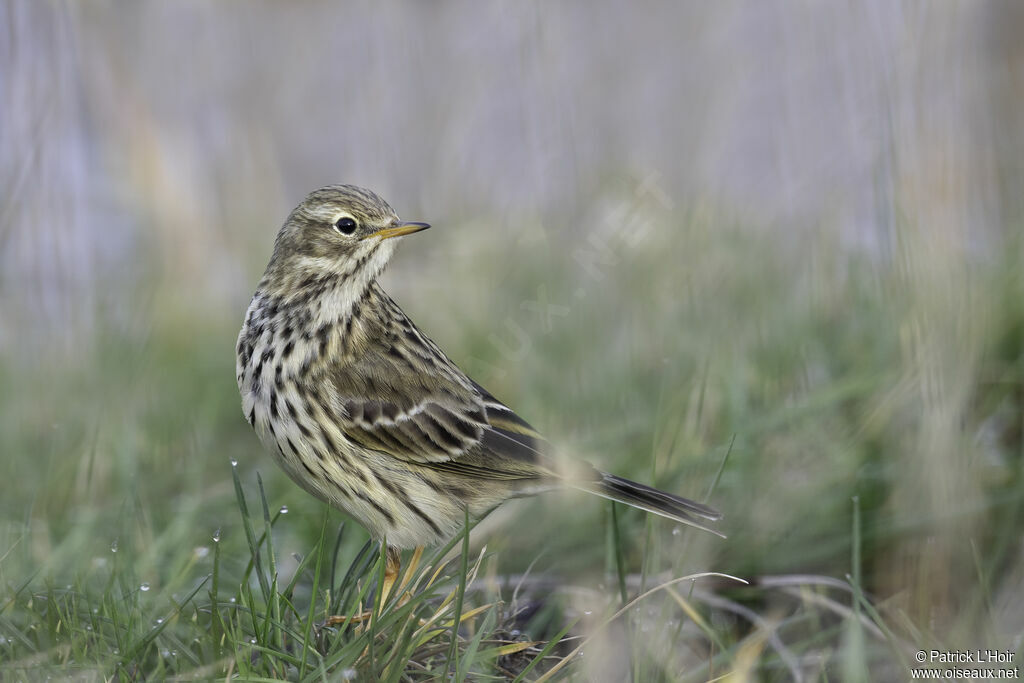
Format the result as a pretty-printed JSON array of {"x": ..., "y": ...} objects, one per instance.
[{"x": 346, "y": 225}]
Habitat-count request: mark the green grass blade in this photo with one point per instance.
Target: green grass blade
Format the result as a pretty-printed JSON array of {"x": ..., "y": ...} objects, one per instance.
[
  {"x": 620, "y": 562},
  {"x": 546, "y": 650},
  {"x": 250, "y": 534},
  {"x": 460, "y": 594}
]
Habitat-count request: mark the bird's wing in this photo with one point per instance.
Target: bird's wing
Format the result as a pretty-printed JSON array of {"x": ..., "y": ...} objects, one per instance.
[
  {"x": 423, "y": 427},
  {"x": 427, "y": 411}
]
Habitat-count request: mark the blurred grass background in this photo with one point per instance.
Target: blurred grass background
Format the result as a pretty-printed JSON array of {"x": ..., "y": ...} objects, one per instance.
[{"x": 789, "y": 232}]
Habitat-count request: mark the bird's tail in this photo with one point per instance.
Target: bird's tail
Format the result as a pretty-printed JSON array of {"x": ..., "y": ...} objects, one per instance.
[{"x": 652, "y": 500}]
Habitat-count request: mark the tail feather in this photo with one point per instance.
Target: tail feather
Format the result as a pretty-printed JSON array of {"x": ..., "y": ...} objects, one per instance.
[{"x": 652, "y": 500}]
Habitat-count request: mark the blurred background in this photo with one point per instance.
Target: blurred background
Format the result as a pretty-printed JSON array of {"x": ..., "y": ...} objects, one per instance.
[{"x": 781, "y": 239}]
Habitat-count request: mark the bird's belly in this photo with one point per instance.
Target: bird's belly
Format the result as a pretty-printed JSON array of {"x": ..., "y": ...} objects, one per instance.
[{"x": 390, "y": 498}]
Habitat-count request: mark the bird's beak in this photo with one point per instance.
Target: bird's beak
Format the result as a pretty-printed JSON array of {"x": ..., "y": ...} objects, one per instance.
[{"x": 399, "y": 230}]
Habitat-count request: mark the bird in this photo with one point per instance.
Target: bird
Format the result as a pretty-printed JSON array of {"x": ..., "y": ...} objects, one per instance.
[{"x": 365, "y": 412}]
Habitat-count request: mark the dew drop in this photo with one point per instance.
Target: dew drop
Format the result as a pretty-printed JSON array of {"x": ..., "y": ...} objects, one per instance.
[
  {"x": 88, "y": 628},
  {"x": 95, "y": 610},
  {"x": 588, "y": 612},
  {"x": 160, "y": 620},
  {"x": 284, "y": 509},
  {"x": 676, "y": 531},
  {"x": 113, "y": 546},
  {"x": 216, "y": 536},
  {"x": 144, "y": 587},
  {"x": 252, "y": 641},
  {"x": 232, "y": 600},
  {"x": 165, "y": 653},
  {"x": 234, "y": 463}
]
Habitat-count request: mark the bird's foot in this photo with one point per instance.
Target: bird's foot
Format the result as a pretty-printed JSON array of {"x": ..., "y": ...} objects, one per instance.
[{"x": 391, "y": 571}]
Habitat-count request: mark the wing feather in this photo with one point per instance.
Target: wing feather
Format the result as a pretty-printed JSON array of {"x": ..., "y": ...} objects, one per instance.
[{"x": 440, "y": 418}]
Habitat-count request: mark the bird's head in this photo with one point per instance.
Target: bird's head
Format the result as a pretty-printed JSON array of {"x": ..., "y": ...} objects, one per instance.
[{"x": 339, "y": 231}]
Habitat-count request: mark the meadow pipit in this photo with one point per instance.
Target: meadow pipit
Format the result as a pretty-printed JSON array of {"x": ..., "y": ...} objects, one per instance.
[{"x": 365, "y": 412}]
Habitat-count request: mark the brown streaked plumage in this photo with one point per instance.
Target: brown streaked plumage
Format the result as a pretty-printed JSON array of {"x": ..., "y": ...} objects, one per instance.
[{"x": 367, "y": 413}]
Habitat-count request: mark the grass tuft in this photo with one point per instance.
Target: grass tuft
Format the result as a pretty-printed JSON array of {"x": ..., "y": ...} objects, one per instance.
[{"x": 773, "y": 389}]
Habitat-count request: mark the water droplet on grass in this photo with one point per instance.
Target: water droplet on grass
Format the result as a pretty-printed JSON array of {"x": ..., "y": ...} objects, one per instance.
[
  {"x": 216, "y": 536},
  {"x": 144, "y": 587},
  {"x": 160, "y": 620},
  {"x": 284, "y": 509},
  {"x": 234, "y": 463},
  {"x": 113, "y": 546},
  {"x": 676, "y": 531}
]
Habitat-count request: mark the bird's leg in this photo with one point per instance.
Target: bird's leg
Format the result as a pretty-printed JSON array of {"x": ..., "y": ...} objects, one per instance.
[
  {"x": 414, "y": 562},
  {"x": 392, "y": 568}
]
